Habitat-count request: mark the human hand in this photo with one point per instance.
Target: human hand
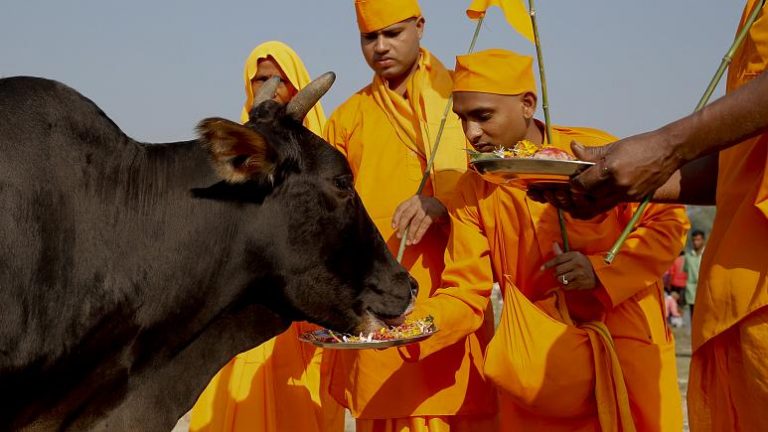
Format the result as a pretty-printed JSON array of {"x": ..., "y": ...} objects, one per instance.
[
  {"x": 626, "y": 170},
  {"x": 578, "y": 205},
  {"x": 573, "y": 270},
  {"x": 420, "y": 212}
]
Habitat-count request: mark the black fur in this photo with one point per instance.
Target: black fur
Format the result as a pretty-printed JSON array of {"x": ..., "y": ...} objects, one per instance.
[{"x": 130, "y": 273}]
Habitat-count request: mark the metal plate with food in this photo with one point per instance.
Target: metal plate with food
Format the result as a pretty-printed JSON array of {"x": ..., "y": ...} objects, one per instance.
[
  {"x": 523, "y": 165},
  {"x": 406, "y": 333}
]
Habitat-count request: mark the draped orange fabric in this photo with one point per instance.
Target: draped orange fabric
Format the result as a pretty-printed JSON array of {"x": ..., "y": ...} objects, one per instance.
[
  {"x": 552, "y": 375},
  {"x": 386, "y": 139},
  {"x": 263, "y": 389},
  {"x": 729, "y": 374},
  {"x": 532, "y": 333},
  {"x": 290, "y": 63}
]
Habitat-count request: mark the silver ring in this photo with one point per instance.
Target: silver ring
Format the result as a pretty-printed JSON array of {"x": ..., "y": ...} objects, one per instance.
[{"x": 565, "y": 281}]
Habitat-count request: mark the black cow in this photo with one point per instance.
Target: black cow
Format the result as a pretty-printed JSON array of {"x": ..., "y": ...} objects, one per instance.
[{"x": 130, "y": 273}]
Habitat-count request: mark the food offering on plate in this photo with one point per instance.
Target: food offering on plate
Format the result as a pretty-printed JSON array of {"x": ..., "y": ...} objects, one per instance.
[
  {"x": 410, "y": 331},
  {"x": 523, "y": 149},
  {"x": 525, "y": 164}
]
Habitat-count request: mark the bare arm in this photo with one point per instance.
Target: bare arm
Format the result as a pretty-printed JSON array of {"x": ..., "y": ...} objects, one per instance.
[
  {"x": 695, "y": 183},
  {"x": 632, "y": 168},
  {"x": 729, "y": 120}
]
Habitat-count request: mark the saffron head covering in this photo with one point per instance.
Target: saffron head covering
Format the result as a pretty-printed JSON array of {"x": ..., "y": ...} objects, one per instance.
[
  {"x": 293, "y": 68},
  {"x": 373, "y": 15},
  {"x": 494, "y": 71}
]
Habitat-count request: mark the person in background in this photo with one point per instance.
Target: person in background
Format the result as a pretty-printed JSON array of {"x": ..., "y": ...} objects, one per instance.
[
  {"x": 691, "y": 268},
  {"x": 677, "y": 276},
  {"x": 281, "y": 385},
  {"x": 672, "y": 310}
]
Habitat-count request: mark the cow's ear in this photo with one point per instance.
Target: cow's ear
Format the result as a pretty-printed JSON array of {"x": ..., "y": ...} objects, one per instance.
[{"x": 239, "y": 153}]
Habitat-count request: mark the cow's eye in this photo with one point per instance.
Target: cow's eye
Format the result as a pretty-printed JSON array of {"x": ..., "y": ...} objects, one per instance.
[
  {"x": 239, "y": 160},
  {"x": 344, "y": 182}
]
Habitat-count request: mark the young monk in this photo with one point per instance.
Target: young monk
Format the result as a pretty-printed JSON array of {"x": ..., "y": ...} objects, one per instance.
[
  {"x": 281, "y": 385},
  {"x": 387, "y": 130},
  {"x": 582, "y": 345}
]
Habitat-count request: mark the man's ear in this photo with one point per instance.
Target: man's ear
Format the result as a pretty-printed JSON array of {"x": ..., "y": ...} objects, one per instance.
[
  {"x": 528, "y": 101},
  {"x": 238, "y": 153},
  {"x": 420, "y": 22}
]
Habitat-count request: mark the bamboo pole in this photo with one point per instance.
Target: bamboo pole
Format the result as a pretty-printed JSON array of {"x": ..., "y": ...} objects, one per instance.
[
  {"x": 431, "y": 160},
  {"x": 545, "y": 108},
  {"x": 542, "y": 73},
  {"x": 727, "y": 58}
]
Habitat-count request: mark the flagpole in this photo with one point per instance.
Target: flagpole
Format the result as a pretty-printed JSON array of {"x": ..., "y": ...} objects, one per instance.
[
  {"x": 611, "y": 255},
  {"x": 431, "y": 161},
  {"x": 545, "y": 107},
  {"x": 542, "y": 74}
]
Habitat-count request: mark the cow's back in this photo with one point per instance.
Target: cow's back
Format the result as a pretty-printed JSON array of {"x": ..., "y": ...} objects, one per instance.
[
  {"x": 97, "y": 234},
  {"x": 54, "y": 146},
  {"x": 44, "y": 122},
  {"x": 51, "y": 139}
]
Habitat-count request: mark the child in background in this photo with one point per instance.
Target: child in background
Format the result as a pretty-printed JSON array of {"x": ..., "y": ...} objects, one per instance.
[{"x": 671, "y": 311}]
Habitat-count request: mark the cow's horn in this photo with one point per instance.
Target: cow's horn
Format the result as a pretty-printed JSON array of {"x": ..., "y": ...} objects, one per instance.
[
  {"x": 307, "y": 97},
  {"x": 266, "y": 91}
]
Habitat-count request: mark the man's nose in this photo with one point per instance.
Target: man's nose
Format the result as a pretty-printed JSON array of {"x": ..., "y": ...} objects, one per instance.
[
  {"x": 381, "y": 45},
  {"x": 474, "y": 133}
]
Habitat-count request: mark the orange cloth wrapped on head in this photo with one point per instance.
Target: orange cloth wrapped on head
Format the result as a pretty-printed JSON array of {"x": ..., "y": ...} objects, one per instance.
[
  {"x": 494, "y": 71},
  {"x": 290, "y": 63},
  {"x": 373, "y": 15}
]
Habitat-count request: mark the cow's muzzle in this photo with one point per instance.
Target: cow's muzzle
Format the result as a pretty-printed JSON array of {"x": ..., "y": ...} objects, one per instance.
[{"x": 374, "y": 319}]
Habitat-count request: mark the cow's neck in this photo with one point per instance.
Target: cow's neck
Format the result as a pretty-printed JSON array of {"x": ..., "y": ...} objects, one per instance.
[
  {"x": 158, "y": 397},
  {"x": 224, "y": 323}
]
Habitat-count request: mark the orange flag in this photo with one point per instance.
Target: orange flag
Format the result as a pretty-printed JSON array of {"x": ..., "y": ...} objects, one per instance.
[{"x": 514, "y": 11}]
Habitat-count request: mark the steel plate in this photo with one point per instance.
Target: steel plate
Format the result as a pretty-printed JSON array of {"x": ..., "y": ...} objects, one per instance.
[
  {"x": 521, "y": 172},
  {"x": 324, "y": 339}
]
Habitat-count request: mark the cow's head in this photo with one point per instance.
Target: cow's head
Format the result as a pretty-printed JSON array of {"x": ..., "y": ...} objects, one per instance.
[{"x": 329, "y": 263}]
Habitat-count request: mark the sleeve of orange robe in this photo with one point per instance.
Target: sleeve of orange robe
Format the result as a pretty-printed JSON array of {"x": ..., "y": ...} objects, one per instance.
[
  {"x": 648, "y": 252},
  {"x": 459, "y": 306},
  {"x": 342, "y": 128},
  {"x": 334, "y": 133}
]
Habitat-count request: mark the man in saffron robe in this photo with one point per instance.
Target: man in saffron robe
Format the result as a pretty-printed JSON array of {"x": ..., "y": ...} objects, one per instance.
[
  {"x": 582, "y": 345},
  {"x": 387, "y": 131}
]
